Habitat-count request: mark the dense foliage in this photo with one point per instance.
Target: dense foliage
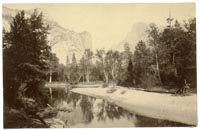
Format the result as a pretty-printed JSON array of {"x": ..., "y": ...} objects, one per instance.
[
  {"x": 25, "y": 55},
  {"x": 167, "y": 58}
]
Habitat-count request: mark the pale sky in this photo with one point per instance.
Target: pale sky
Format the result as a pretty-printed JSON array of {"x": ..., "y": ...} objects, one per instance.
[{"x": 108, "y": 24}]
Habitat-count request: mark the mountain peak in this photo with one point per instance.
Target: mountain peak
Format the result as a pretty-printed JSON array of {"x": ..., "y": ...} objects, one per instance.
[{"x": 137, "y": 33}]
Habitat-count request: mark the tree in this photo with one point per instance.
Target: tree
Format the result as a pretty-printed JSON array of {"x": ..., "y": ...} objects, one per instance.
[
  {"x": 88, "y": 63},
  {"x": 67, "y": 69},
  {"x": 56, "y": 70},
  {"x": 100, "y": 54},
  {"x": 74, "y": 63},
  {"x": 125, "y": 58},
  {"x": 141, "y": 60},
  {"x": 169, "y": 41},
  {"x": 154, "y": 40},
  {"x": 190, "y": 66},
  {"x": 113, "y": 62},
  {"x": 127, "y": 54},
  {"x": 74, "y": 74},
  {"x": 186, "y": 53},
  {"x": 190, "y": 27},
  {"x": 53, "y": 65},
  {"x": 130, "y": 75},
  {"x": 25, "y": 53},
  {"x": 176, "y": 57},
  {"x": 60, "y": 73},
  {"x": 82, "y": 68},
  {"x": 96, "y": 72}
]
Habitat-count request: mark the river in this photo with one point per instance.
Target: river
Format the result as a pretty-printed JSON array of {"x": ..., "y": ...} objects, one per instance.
[{"x": 89, "y": 112}]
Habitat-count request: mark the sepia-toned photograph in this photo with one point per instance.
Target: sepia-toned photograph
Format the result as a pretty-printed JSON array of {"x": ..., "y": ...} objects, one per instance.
[{"x": 99, "y": 65}]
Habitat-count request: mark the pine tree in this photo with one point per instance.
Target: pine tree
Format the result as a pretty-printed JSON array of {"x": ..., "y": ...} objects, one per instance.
[
  {"x": 141, "y": 61},
  {"x": 74, "y": 59},
  {"x": 25, "y": 53},
  {"x": 130, "y": 74},
  {"x": 74, "y": 75}
]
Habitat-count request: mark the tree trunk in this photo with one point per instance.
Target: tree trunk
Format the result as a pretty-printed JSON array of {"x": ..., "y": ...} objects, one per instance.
[
  {"x": 106, "y": 76},
  {"x": 88, "y": 77},
  {"x": 113, "y": 74},
  {"x": 84, "y": 77},
  {"x": 50, "y": 92},
  {"x": 50, "y": 76},
  {"x": 80, "y": 77},
  {"x": 157, "y": 67},
  {"x": 68, "y": 76}
]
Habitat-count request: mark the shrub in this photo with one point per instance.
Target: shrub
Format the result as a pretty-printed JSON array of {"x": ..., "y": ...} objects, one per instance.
[
  {"x": 111, "y": 90},
  {"x": 105, "y": 85},
  {"x": 35, "y": 89},
  {"x": 123, "y": 92}
]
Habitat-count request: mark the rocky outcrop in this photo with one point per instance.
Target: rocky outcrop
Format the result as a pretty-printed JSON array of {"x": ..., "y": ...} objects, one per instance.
[
  {"x": 64, "y": 42},
  {"x": 137, "y": 33}
]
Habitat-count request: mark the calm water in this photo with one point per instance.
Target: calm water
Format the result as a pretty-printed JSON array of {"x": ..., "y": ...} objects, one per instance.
[{"x": 87, "y": 111}]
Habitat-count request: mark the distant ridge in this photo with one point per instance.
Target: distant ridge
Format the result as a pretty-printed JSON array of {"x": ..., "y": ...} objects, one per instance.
[{"x": 64, "y": 42}]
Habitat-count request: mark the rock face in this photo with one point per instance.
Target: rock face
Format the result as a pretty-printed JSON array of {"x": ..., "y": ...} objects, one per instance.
[
  {"x": 137, "y": 33},
  {"x": 64, "y": 42}
]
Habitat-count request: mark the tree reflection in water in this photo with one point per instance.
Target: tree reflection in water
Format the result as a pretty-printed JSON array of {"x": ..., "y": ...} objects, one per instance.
[
  {"x": 101, "y": 114},
  {"x": 86, "y": 107},
  {"x": 72, "y": 98},
  {"x": 109, "y": 111},
  {"x": 58, "y": 96},
  {"x": 88, "y": 112},
  {"x": 114, "y": 112}
]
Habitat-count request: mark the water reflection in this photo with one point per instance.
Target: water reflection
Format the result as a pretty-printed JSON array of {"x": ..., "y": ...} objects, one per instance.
[
  {"x": 87, "y": 111},
  {"x": 86, "y": 105}
]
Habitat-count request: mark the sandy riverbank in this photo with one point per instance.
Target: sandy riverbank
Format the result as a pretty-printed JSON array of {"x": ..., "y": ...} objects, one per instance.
[{"x": 162, "y": 106}]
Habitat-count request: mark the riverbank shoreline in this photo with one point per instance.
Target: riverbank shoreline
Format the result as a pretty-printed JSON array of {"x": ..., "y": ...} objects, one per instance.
[{"x": 165, "y": 106}]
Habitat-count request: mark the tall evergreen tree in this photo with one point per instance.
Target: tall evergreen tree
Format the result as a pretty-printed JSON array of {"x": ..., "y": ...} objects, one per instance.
[
  {"x": 141, "y": 60},
  {"x": 130, "y": 75},
  {"x": 74, "y": 59},
  {"x": 25, "y": 53},
  {"x": 74, "y": 74}
]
